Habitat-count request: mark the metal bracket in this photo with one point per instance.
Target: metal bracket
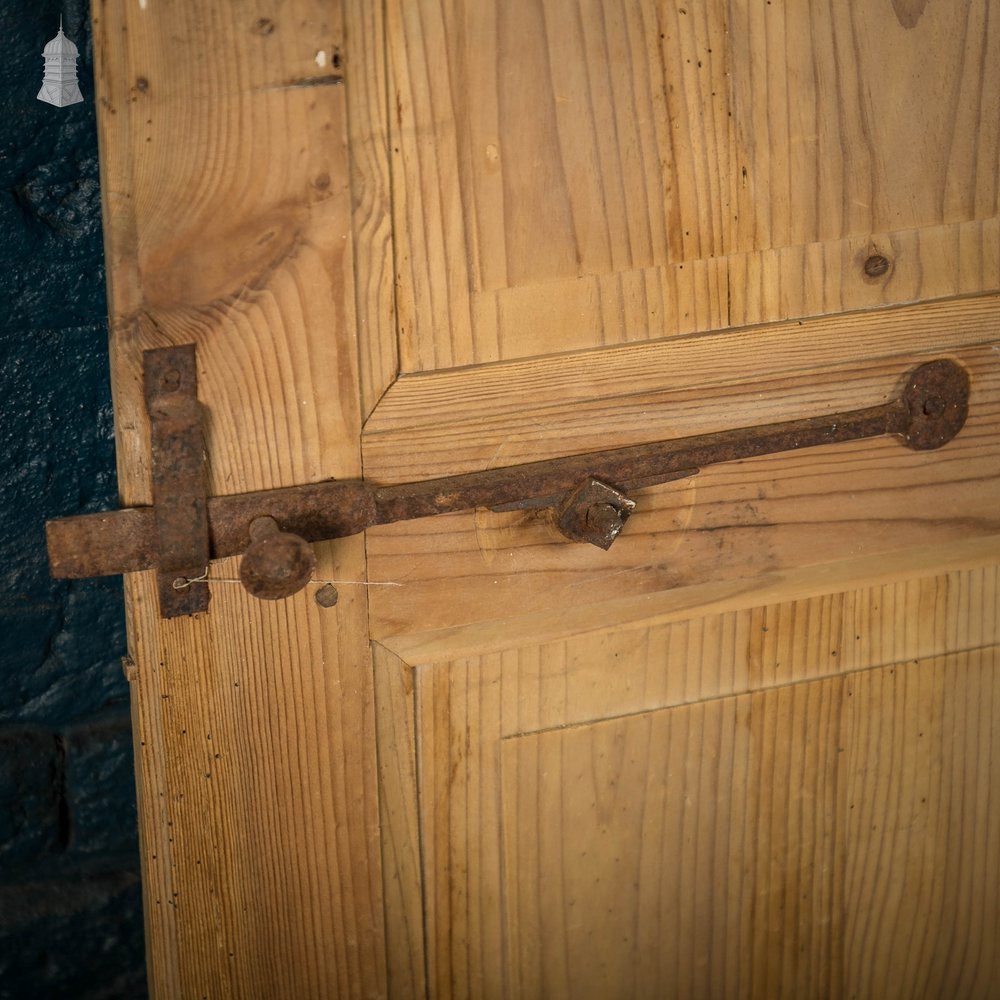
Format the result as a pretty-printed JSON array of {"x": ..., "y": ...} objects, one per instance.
[
  {"x": 588, "y": 493},
  {"x": 180, "y": 487}
]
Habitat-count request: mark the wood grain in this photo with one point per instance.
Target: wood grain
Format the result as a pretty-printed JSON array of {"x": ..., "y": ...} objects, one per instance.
[
  {"x": 254, "y": 724},
  {"x": 749, "y": 804},
  {"x": 365, "y": 72},
  {"x": 933, "y": 262},
  {"x": 739, "y": 522},
  {"x": 712, "y": 597},
  {"x": 921, "y": 896},
  {"x": 787, "y": 843},
  {"x": 492, "y": 414},
  {"x": 575, "y": 174},
  {"x": 401, "y": 857},
  {"x": 841, "y": 129}
]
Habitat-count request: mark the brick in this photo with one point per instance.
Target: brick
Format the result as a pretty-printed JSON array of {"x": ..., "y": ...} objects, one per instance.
[
  {"x": 100, "y": 787},
  {"x": 58, "y": 441},
  {"x": 70, "y": 912},
  {"x": 63, "y": 661},
  {"x": 32, "y": 819},
  {"x": 78, "y": 936}
]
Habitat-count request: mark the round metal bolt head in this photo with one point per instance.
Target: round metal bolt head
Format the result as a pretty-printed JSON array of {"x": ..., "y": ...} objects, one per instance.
[
  {"x": 936, "y": 398},
  {"x": 277, "y": 565}
]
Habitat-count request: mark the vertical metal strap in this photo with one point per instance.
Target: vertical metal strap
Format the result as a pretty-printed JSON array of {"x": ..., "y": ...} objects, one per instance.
[{"x": 180, "y": 488}]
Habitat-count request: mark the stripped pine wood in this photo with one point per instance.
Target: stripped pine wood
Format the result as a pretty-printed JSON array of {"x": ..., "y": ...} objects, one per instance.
[
  {"x": 371, "y": 196},
  {"x": 255, "y": 736},
  {"x": 401, "y": 859},
  {"x": 775, "y": 514},
  {"x": 845, "y": 133},
  {"x": 932, "y": 796},
  {"x": 467, "y": 420},
  {"x": 716, "y": 597},
  {"x": 786, "y": 840},
  {"x": 701, "y": 808},
  {"x": 702, "y": 166},
  {"x": 662, "y": 664},
  {"x": 933, "y": 262},
  {"x": 638, "y": 306},
  {"x": 750, "y": 751}
]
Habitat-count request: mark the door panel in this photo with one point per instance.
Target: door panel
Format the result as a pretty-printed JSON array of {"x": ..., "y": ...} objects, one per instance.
[
  {"x": 580, "y": 173},
  {"x": 779, "y": 514},
  {"x": 790, "y": 800}
]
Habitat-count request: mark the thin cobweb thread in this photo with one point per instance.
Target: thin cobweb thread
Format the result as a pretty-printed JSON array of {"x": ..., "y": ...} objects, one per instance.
[{"x": 205, "y": 578}]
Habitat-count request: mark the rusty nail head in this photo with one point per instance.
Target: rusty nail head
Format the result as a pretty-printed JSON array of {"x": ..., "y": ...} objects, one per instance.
[
  {"x": 171, "y": 380},
  {"x": 934, "y": 407},
  {"x": 327, "y": 596}
]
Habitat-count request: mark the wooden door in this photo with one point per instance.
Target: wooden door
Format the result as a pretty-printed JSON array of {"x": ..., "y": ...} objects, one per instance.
[{"x": 749, "y": 751}]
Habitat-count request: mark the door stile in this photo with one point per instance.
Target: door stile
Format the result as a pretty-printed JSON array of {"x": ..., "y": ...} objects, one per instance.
[{"x": 223, "y": 136}]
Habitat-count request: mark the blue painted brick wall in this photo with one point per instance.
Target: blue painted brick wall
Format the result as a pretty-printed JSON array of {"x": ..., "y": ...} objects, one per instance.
[{"x": 70, "y": 907}]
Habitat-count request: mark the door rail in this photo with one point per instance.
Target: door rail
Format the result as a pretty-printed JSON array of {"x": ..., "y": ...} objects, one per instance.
[{"x": 588, "y": 493}]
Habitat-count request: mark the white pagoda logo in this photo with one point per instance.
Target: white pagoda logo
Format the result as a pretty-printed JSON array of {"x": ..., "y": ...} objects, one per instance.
[{"x": 59, "y": 86}]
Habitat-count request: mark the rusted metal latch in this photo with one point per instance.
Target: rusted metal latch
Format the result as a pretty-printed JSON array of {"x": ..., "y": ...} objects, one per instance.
[{"x": 184, "y": 528}]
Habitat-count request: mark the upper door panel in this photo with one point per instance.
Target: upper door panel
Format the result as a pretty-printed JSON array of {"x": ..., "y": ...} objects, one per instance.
[{"x": 575, "y": 173}]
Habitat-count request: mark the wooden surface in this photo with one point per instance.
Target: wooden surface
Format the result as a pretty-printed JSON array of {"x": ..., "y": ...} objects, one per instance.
[
  {"x": 702, "y": 165},
  {"x": 796, "y": 799},
  {"x": 751, "y": 751},
  {"x": 228, "y": 220},
  {"x": 779, "y": 514},
  {"x": 363, "y": 61},
  {"x": 400, "y": 810}
]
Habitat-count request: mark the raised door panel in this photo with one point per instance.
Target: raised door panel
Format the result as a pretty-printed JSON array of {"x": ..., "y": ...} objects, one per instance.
[
  {"x": 782, "y": 516},
  {"x": 791, "y": 800},
  {"x": 581, "y": 173}
]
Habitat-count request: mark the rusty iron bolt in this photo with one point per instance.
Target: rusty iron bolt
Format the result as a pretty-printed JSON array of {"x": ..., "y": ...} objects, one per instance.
[
  {"x": 605, "y": 519},
  {"x": 934, "y": 407},
  {"x": 277, "y": 564},
  {"x": 594, "y": 512}
]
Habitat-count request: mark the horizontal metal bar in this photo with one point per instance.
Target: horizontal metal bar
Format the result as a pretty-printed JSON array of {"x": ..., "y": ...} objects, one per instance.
[{"x": 928, "y": 413}]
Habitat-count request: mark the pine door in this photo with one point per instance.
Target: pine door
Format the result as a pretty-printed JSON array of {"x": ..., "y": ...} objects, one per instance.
[{"x": 749, "y": 751}]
